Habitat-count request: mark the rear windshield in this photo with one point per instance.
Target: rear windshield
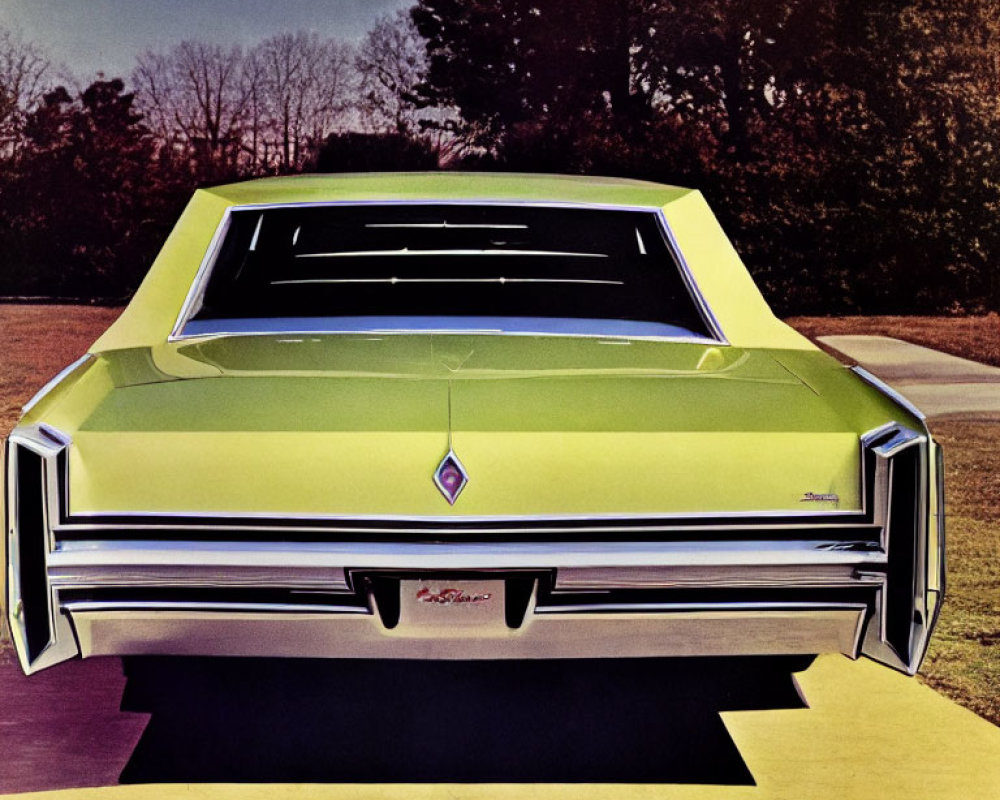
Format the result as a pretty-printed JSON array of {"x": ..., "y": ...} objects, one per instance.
[{"x": 446, "y": 267}]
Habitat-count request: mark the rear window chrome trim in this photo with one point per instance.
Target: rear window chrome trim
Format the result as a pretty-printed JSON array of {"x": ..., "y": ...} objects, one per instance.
[
  {"x": 619, "y": 331},
  {"x": 442, "y": 253},
  {"x": 196, "y": 293},
  {"x": 674, "y": 248},
  {"x": 193, "y": 300}
]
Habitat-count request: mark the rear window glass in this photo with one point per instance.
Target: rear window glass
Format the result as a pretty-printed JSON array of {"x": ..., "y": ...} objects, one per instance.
[{"x": 446, "y": 267}]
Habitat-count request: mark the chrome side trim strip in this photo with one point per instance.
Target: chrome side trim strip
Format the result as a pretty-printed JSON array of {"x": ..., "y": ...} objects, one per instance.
[
  {"x": 148, "y": 563},
  {"x": 586, "y": 608},
  {"x": 48, "y": 387},
  {"x": 77, "y": 606},
  {"x": 97, "y": 560},
  {"x": 727, "y": 576},
  {"x": 214, "y": 575},
  {"x": 153, "y": 519},
  {"x": 888, "y": 391}
]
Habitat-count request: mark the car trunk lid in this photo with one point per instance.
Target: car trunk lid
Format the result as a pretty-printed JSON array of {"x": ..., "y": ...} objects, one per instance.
[{"x": 543, "y": 426}]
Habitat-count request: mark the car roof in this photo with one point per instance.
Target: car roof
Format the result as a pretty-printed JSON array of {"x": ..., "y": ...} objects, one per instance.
[
  {"x": 449, "y": 186},
  {"x": 719, "y": 275}
]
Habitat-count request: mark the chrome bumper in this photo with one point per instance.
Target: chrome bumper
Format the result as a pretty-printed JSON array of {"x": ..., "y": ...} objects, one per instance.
[
  {"x": 577, "y": 635},
  {"x": 584, "y": 600}
]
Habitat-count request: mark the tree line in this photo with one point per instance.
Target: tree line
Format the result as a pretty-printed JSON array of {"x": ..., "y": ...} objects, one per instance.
[{"x": 849, "y": 146}]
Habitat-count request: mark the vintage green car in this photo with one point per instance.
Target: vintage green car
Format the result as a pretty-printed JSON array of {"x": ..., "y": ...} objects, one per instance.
[{"x": 465, "y": 416}]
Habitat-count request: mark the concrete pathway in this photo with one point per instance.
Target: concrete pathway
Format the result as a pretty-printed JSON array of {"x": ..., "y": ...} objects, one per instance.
[
  {"x": 868, "y": 733},
  {"x": 63, "y": 727},
  {"x": 935, "y": 382}
]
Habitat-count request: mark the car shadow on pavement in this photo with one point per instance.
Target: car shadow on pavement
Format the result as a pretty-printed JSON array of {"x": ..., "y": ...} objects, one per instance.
[{"x": 270, "y": 720}]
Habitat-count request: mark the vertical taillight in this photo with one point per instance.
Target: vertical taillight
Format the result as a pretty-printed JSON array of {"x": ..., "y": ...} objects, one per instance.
[
  {"x": 35, "y": 475},
  {"x": 904, "y": 610},
  {"x": 902, "y": 488},
  {"x": 30, "y": 545}
]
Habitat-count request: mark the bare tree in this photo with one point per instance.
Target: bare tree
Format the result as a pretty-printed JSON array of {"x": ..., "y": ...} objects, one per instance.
[
  {"x": 194, "y": 96},
  {"x": 330, "y": 95},
  {"x": 24, "y": 72},
  {"x": 391, "y": 63},
  {"x": 305, "y": 81},
  {"x": 255, "y": 138}
]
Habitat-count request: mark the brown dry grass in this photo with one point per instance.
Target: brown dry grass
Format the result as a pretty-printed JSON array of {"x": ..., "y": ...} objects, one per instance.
[
  {"x": 963, "y": 661},
  {"x": 964, "y": 658},
  {"x": 38, "y": 341}
]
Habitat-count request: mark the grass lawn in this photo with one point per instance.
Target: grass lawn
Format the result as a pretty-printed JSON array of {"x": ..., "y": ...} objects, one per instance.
[
  {"x": 38, "y": 341},
  {"x": 963, "y": 661},
  {"x": 964, "y": 657}
]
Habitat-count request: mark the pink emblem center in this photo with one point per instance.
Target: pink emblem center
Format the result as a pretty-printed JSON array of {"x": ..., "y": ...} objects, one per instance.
[{"x": 450, "y": 477}]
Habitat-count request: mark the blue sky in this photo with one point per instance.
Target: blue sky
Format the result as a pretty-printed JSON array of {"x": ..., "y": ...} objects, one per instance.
[{"x": 87, "y": 36}]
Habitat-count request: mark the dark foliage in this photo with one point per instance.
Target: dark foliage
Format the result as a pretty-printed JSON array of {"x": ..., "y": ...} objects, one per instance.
[
  {"x": 374, "y": 152},
  {"x": 849, "y": 146},
  {"x": 82, "y": 210}
]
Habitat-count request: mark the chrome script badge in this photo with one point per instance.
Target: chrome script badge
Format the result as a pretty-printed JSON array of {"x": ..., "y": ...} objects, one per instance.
[
  {"x": 816, "y": 497},
  {"x": 449, "y": 596}
]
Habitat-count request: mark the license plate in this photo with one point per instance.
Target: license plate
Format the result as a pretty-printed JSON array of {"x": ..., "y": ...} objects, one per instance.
[{"x": 451, "y": 603}]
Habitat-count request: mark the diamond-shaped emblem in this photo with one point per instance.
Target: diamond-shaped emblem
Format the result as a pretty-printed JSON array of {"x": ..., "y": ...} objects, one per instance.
[{"x": 450, "y": 477}]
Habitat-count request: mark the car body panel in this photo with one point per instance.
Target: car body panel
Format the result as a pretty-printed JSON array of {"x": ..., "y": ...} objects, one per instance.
[
  {"x": 273, "y": 486},
  {"x": 747, "y": 435}
]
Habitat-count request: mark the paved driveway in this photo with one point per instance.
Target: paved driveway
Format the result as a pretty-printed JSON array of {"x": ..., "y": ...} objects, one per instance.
[
  {"x": 935, "y": 382},
  {"x": 839, "y": 729}
]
